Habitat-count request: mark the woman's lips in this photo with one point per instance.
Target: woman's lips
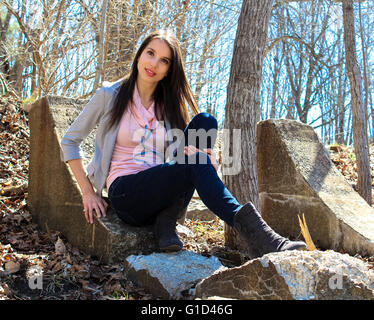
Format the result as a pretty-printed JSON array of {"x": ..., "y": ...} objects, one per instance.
[{"x": 150, "y": 72}]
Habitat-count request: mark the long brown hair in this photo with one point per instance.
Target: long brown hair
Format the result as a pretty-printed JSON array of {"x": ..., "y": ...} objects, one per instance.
[{"x": 171, "y": 94}]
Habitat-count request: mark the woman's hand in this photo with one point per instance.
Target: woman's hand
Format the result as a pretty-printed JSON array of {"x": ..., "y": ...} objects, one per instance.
[
  {"x": 91, "y": 202},
  {"x": 190, "y": 150}
]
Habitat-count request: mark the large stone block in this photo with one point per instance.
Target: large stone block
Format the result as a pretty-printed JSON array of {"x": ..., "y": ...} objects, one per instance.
[
  {"x": 296, "y": 176},
  {"x": 55, "y": 200},
  {"x": 168, "y": 275},
  {"x": 293, "y": 275},
  {"x": 197, "y": 210}
]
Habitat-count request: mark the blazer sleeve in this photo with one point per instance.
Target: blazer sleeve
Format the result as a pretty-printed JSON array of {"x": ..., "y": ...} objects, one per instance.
[{"x": 82, "y": 126}]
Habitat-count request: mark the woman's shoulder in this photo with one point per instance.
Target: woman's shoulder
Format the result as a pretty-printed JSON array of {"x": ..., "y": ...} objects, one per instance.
[{"x": 110, "y": 87}]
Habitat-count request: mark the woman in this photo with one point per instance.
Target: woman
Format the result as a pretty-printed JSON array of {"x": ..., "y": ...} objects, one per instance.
[{"x": 136, "y": 119}]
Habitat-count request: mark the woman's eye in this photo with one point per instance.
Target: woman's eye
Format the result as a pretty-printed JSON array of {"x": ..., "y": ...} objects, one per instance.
[
  {"x": 165, "y": 61},
  {"x": 150, "y": 53}
]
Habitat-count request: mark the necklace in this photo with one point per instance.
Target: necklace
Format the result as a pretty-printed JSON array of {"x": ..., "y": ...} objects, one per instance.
[{"x": 148, "y": 132}]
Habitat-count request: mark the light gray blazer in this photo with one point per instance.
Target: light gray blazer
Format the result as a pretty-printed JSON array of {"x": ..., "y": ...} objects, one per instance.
[{"x": 96, "y": 112}]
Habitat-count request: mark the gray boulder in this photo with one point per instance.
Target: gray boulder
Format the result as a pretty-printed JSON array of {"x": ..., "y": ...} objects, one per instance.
[
  {"x": 55, "y": 200},
  {"x": 198, "y": 210},
  {"x": 293, "y": 275},
  {"x": 296, "y": 176},
  {"x": 168, "y": 275}
]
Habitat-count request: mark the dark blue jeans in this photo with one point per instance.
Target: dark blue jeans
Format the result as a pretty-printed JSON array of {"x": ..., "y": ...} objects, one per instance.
[{"x": 138, "y": 198}]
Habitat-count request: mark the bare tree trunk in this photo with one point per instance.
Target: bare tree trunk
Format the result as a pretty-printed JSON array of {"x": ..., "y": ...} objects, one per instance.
[
  {"x": 181, "y": 18},
  {"x": 340, "y": 98},
  {"x": 100, "y": 63},
  {"x": 243, "y": 101},
  {"x": 4, "y": 26},
  {"x": 203, "y": 58},
  {"x": 372, "y": 113},
  {"x": 358, "y": 113},
  {"x": 364, "y": 59},
  {"x": 290, "y": 108},
  {"x": 275, "y": 85}
]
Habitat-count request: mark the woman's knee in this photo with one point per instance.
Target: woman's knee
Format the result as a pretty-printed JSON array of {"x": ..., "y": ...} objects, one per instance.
[
  {"x": 202, "y": 131},
  {"x": 204, "y": 120}
]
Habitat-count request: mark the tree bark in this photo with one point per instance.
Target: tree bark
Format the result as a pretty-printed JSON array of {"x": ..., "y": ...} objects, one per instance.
[
  {"x": 358, "y": 113},
  {"x": 4, "y": 26},
  {"x": 204, "y": 56},
  {"x": 99, "y": 77},
  {"x": 364, "y": 60},
  {"x": 339, "y": 137},
  {"x": 274, "y": 91},
  {"x": 243, "y": 102}
]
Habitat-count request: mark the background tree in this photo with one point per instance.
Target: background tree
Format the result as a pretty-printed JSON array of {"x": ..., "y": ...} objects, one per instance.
[
  {"x": 359, "y": 120},
  {"x": 243, "y": 100}
]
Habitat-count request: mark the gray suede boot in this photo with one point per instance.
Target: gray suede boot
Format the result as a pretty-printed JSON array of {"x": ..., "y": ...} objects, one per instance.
[
  {"x": 165, "y": 227},
  {"x": 260, "y": 237}
]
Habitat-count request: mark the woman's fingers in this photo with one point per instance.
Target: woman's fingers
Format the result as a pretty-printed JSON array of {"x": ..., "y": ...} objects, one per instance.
[
  {"x": 85, "y": 212},
  {"x": 87, "y": 209},
  {"x": 88, "y": 215},
  {"x": 189, "y": 150},
  {"x": 98, "y": 211},
  {"x": 100, "y": 208},
  {"x": 93, "y": 203}
]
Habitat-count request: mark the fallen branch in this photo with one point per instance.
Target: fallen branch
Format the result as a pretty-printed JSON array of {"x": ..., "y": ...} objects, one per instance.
[{"x": 14, "y": 190}]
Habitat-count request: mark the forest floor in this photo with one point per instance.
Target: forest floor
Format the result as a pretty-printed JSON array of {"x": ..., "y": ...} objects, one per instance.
[{"x": 68, "y": 273}]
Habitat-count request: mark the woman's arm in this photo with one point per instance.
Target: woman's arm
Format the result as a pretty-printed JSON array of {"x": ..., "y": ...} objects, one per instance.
[
  {"x": 72, "y": 153},
  {"x": 91, "y": 201},
  {"x": 82, "y": 126}
]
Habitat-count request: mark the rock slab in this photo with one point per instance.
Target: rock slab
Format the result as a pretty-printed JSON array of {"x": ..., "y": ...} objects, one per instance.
[
  {"x": 296, "y": 176},
  {"x": 55, "y": 200},
  {"x": 167, "y": 275},
  {"x": 293, "y": 275},
  {"x": 197, "y": 210}
]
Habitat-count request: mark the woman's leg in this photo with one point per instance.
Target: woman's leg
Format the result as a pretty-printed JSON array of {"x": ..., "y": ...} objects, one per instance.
[
  {"x": 145, "y": 198},
  {"x": 201, "y": 121},
  {"x": 164, "y": 183},
  {"x": 201, "y": 132},
  {"x": 137, "y": 198},
  {"x": 140, "y": 198}
]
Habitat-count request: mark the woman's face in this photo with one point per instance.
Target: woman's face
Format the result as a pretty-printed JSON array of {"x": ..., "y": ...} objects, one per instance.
[{"x": 154, "y": 62}]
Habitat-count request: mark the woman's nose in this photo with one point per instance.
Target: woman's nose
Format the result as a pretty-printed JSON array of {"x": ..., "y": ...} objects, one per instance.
[{"x": 153, "y": 61}]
